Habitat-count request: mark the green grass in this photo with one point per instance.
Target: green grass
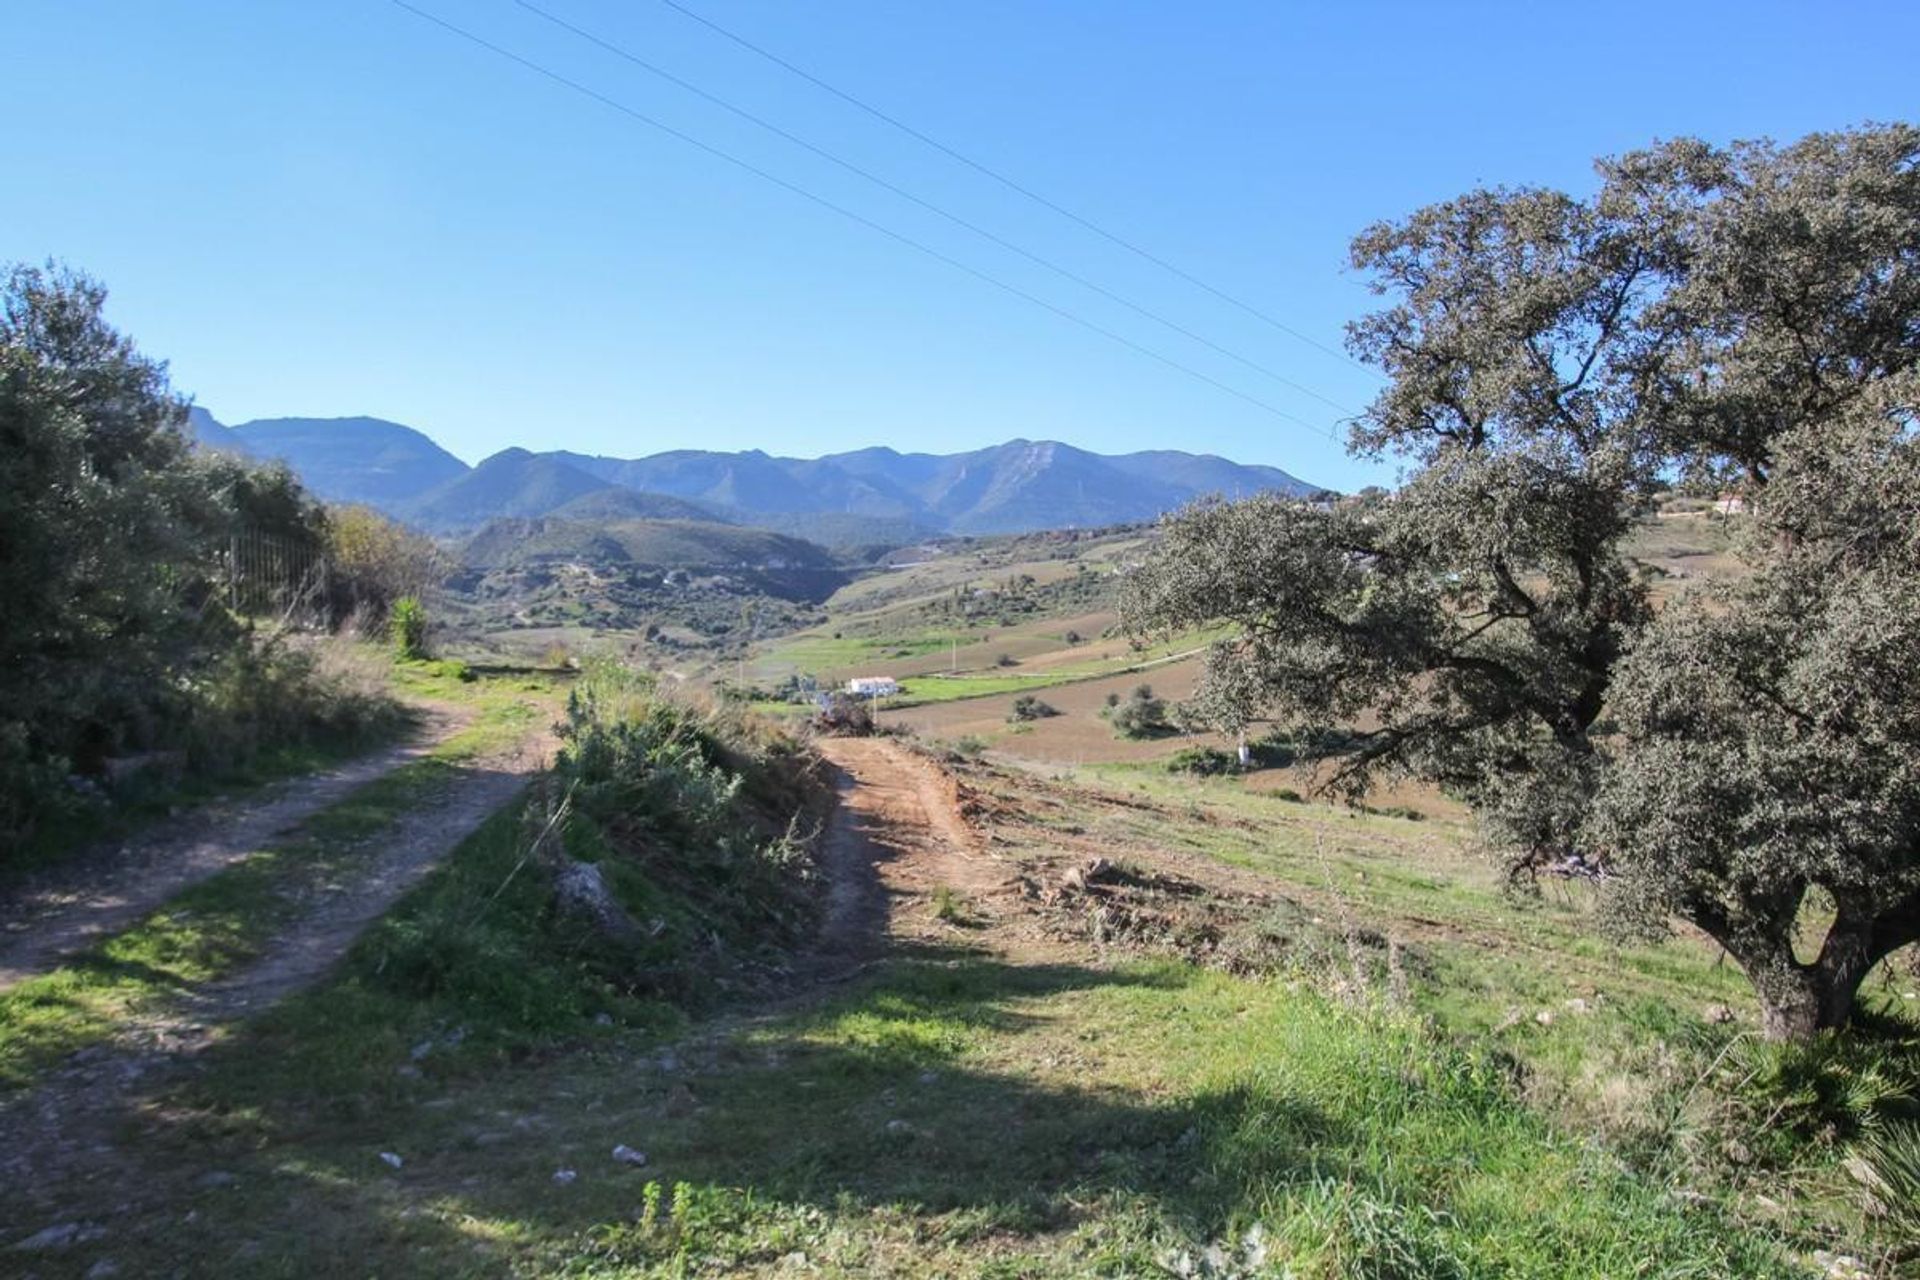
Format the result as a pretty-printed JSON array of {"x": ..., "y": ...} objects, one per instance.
[
  {"x": 957, "y": 1116},
  {"x": 959, "y": 1113},
  {"x": 220, "y": 923}
]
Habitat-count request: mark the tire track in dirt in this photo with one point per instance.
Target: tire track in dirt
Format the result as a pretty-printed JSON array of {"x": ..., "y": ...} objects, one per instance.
[
  {"x": 898, "y": 839},
  {"x": 69, "y": 1126},
  {"x": 54, "y": 915}
]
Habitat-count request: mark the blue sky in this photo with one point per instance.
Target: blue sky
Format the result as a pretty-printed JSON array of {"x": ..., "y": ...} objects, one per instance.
[{"x": 337, "y": 208}]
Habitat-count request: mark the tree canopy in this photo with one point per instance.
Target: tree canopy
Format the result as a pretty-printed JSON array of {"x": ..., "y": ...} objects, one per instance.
[
  {"x": 1744, "y": 316},
  {"x": 114, "y": 538}
]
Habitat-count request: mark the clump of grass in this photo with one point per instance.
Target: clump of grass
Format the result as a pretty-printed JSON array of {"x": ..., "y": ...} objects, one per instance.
[
  {"x": 1886, "y": 1164},
  {"x": 407, "y": 626},
  {"x": 948, "y": 906}
]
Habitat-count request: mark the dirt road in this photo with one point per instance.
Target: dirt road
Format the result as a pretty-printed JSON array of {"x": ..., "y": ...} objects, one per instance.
[
  {"x": 899, "y": 848},
  {"x": 69, "y": 907}
]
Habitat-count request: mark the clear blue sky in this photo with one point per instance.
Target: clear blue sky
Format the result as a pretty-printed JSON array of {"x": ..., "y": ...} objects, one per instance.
[{"x": 335, "y": 208}]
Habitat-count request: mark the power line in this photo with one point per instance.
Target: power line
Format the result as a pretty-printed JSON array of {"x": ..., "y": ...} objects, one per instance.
[
  {"x": 1016, "y": 187},
  {"x": 629, "y": 56},
  {"x": 852, "y": 216}
]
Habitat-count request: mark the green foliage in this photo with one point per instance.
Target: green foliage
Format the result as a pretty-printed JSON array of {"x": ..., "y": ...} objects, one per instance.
[
  {"x": 373, "y": 562},
  {"x": 1886, "y": 1163},
  {"x": 407, "y": 625},
  {"x": 115, "y": 538},
  {"x": 1141, "y": 715},
  {"x": 697, "y": 821},
  {"x": 1207, "y": 762},
  {"x": 1030, "y": 707},
  {"x": 1825, "y": 1089},
  {"x": 1740, "y": 316}
]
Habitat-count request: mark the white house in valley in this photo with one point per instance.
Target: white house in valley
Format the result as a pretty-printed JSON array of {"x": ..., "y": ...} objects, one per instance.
[{"x": 873, "y": 686}]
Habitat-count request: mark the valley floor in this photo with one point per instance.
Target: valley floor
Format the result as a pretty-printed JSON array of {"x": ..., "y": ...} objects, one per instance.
[{"x": 1055, "y": 1026}]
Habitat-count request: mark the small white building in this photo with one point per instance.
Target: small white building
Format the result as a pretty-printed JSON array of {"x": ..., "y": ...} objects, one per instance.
[{"x": 873, "y": 686}]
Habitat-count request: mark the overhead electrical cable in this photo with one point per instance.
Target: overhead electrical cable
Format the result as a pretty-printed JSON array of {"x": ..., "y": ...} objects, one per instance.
[
  {"x": 1017, "y": 187},
  {"x": 851, "y": 215},
  {"x": 1065, "y": 272}
]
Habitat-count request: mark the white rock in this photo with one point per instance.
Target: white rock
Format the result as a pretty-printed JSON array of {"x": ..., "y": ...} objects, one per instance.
[
  {"x": 391, "y": 1160},
  {"x": 61, "y": 1236},
  {"x": 565, "y": 1177},
  {"x": 627, "y": 1155}
]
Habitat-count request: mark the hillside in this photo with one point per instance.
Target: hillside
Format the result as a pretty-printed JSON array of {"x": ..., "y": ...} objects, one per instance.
[
  {"x": 370, "y": 460},
  {"x": 611, "y": 503},
  {"x": 663, "y": 544},
  {"x": 512, "y": 483},
  {"x": 858, "y": 499}
]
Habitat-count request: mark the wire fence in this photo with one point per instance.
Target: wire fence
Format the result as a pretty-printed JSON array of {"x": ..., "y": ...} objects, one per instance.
[{"x": 270, "y": 576}]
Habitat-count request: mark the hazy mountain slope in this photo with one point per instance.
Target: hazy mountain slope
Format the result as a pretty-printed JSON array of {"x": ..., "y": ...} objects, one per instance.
[
  {"x": 206, "y": 431},
  {"x": 1203, "y": 473},
  {"x": 615, "y": 503},
  {"x": 365, "y": 460},
  {"x": 750, "y": 481},
  {"x": 512, "y": 482},
  {"x": 666, "y": 544},
  {"x": 857, "y": 498},
  {"x": 841, "y": 532},
  {"x": 1037, "y": 485}
]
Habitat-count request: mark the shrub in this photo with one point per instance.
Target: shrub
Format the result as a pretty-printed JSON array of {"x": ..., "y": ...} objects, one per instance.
[
  {"x": 1141, "y": 716},
  {"x": 1028, "y": 707},
  {"x": 407, "y": 625},
  {"x": 1205, "y": 761},
  {"x": 694, "y": 819}
]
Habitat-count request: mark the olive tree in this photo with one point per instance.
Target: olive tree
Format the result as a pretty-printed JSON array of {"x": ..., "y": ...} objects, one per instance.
[{"x": 1745, "y": 316}]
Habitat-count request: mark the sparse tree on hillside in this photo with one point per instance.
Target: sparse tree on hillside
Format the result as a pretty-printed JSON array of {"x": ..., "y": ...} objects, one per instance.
[{"x": 1745, "y": 316}]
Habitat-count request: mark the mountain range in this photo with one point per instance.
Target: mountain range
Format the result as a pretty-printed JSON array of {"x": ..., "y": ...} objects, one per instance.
[{"x": 865, "y": 496}]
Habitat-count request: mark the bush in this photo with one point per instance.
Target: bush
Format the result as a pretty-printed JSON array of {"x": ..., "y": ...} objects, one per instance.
[
  {"x": 407, "y": 625},
  {"x": 1027, "y": 707},
  {"x": 694, "y": 819},
  {"x": 1834, "y": 1086},
  {"x": 1141, "y": 716},
  {"x": 1204, "y": 761},
  {"x": 135, "y": 571}
]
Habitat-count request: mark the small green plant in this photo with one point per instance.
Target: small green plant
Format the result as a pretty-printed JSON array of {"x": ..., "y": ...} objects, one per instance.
[
  {"x": 1887, "y": 1167},
  {"x": 1834, "y": 1086},
  {"x": 407, "y": 627},
  {"x": 948, "y": 906}
]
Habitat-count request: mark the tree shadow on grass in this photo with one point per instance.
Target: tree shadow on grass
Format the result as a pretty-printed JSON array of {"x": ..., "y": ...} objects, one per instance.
[{"x": 875, "y": 1099}]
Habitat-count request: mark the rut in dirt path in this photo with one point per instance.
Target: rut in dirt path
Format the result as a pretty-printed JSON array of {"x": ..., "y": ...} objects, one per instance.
[
  {"x": 898, "y": 838},
  {"x": 59, "y": 912},
  {"x": 69, "y": 1124}
]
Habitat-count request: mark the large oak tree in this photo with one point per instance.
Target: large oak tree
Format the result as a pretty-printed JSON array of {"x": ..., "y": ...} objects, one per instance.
[{"x": 1746, "y": 317}]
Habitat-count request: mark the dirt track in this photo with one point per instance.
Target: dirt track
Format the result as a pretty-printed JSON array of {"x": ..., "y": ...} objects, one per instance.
[
  {"x": 898, "y": 840},
  {"x": 64, "y": 910}
]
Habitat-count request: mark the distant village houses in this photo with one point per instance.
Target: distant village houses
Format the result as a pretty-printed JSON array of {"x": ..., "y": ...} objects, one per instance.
[{"x": 873, "y": 686}]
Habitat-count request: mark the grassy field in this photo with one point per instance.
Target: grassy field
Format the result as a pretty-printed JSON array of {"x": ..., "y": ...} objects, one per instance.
[{"x": 1316, "y": 1044}]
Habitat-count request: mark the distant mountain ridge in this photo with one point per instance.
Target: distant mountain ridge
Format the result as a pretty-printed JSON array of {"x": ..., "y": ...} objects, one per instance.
[{"x": 866, "y": 495}]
